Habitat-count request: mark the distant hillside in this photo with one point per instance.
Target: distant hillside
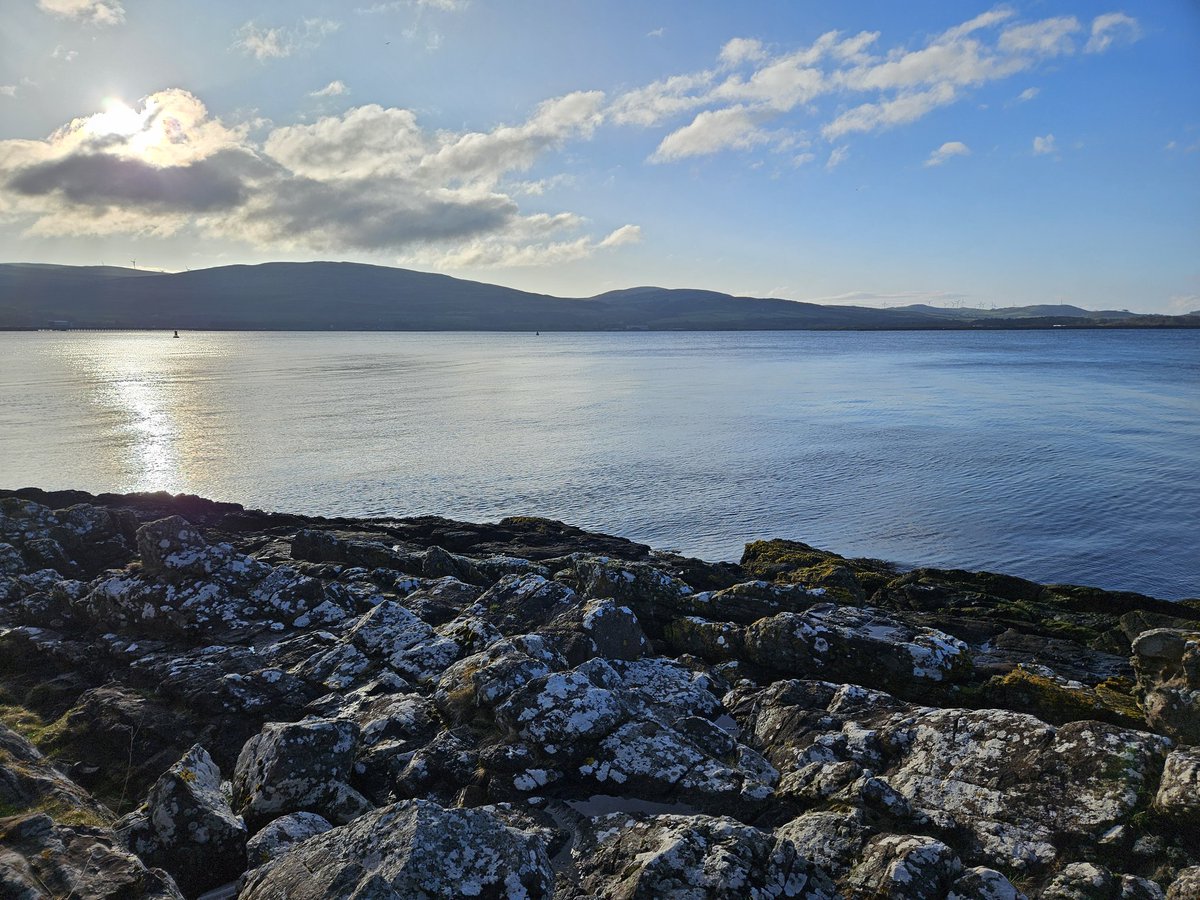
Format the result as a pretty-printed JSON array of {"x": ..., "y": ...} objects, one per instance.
[
  {"x": 350, "y": 296},
  {"x": 1040, "y": 311}
]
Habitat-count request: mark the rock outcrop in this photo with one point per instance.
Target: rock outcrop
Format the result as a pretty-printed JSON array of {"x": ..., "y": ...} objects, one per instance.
[{"x": 425, "y": 708}]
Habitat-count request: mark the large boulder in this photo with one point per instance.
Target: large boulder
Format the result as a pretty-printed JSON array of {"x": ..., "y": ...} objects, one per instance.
[
  {"x": 517, "y": 604},
  {"x": 412, "y": 849},
  {"x": 275, "y": 840},
  {"x": 40, "y": 859},
  {"x": 298, "y": 767},
  {"x": 861, "y": 645},
  {"x": 1179, "y": 791},
  {"x": 1020, "y": 786},
  {"x": 187, "y": 827},
  {"x": 903, "y": 867},
  {"x": 694, "y": 858},
  {"x": 564, "y": 713},
  {"x": 1186, "y": 885},
  {"x": 1167, "y": 662}
]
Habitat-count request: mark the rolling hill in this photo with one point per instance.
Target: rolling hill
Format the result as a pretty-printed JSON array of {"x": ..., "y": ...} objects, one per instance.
[{"x": 352, "y": 296}]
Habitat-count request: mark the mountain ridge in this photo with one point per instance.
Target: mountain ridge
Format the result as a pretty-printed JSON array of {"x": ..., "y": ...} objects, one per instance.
[{"x": 357, "y": 296}]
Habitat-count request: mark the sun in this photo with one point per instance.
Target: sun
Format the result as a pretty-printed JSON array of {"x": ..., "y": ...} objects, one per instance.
[
  {"x": 118, "y": 118},
  {"x": 142, "y": 132}
]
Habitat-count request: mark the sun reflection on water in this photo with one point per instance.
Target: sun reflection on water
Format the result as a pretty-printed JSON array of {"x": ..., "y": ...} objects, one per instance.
[{"x": 143, "y": 389}]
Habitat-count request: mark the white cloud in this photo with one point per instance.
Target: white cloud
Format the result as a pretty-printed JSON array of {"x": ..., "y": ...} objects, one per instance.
[
  {"x": 947, "y": 151},
  {"x": 275, "y": 43},
  {"x": 901, "y": 110},
  {"x": 801, "y": 159},
  {"x": 661, "y": 100},
  {"x": 739, "y": 50},
  {"x": 626, "y": 234},
  {"x": 723, "y": 129},
  {"x": 656, "y": 33},
  {"x": 1049, "y": 37},
  {"x": 61, "y": 52},
  {"x": 837, "y": 157},
  {"x": 394, "y": 5},
  {"x": 1044, "y": 145},
  {"x": 1028, "y": 94},
  {"x": 1110, "y": 28},
  {"x": 370, "y": 180},
  {"x": 8, "y": 90},
  {"x": 981, "y": 21},
  {"x": 333, "y": 89},
  {"x": 93, "y": 12},
  {"x": 751, "y": 87}
]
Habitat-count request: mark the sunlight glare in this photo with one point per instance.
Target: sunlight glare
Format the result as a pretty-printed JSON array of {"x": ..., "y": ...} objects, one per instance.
[{"x": 118, "y": 118}]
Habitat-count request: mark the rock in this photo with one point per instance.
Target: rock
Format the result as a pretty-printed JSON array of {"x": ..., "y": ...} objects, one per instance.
[
  {"x": 1016, "y": 782},
  {"x": 695, "y": 858},
  {"x": 614, "y": 630},
  {"x": 440, "y": 600},
  {"x": 40, "y": 859},
  {"x": 749, "y": 601},
  {"x": 904, "y": 867},
  {"x": 1167, "y": 662},
  {"x": 981, "y": 883},
  {"x": 298, "y": 767},
  {"x": 1134, "y": 887},
  {"x": 651, "y": 760},
  {"x": 1064, "y": 658},
  {"x": 517, "y": 604},
  {"x": 391, "y": 633},
  {"x": 443, "y": 766},
  {"x": 1186, "y": 885},
  {"x": 565, "y": 713},
  {"x": 667, "y": 689},
  {"x": 486, "y": 679},
  {"x": 411, "y": 849},
  {"x": 438, "y": 563},
  {"x": 30, "y": 784},
  {"x": 187, "y": 827},
  {"x": 653, "y": 595},
  {"x": 1179, "y": 791},
  {"x": 831, "y": 840},
  {"x": 276, "y": 838},
  {"x": 865, "y": 646},
  {"x": 134, "y": 735},
  {"x": 1083, "y": 881}
]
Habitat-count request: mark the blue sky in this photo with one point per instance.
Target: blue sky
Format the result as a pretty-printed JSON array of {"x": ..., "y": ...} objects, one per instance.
[{"x": 876, "y": 153}]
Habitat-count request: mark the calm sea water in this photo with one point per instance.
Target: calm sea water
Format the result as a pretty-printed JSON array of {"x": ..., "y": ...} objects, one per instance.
[{"x": 1056, "y": 455}]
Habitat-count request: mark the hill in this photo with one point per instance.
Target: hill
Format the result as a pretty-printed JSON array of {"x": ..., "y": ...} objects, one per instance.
[{"x": 353, "y": 297}]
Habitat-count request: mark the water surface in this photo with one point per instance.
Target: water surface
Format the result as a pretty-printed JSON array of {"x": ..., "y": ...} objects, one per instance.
[{"x": 1056, "y": 455}]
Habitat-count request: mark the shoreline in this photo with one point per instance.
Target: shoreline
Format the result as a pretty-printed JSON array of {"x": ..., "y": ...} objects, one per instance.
[{"x": 566, "y": 702}]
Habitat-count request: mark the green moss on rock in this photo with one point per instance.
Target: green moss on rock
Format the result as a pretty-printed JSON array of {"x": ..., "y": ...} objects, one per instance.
[{"x": 1025, "y": 691}]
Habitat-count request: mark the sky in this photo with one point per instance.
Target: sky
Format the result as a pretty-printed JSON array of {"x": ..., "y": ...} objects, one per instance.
[{"x": 875, "y": 153}]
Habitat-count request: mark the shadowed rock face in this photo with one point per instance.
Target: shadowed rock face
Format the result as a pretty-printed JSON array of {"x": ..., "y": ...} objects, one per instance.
[
  {"x": 410, "y": 849},
  {"x": 424, "y": 708}
]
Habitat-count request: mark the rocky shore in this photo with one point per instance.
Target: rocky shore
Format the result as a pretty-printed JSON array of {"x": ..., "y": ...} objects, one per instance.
[{"x": 197, "y": 698}]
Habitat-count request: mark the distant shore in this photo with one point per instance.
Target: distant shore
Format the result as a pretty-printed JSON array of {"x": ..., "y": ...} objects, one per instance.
[{"x": 322, "y": 296}]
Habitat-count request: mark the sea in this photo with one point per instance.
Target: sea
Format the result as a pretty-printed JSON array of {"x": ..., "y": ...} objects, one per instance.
[{"x": 1059, "y": 455}]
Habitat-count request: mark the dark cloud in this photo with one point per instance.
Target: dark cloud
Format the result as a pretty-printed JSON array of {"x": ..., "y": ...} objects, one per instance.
[
  {"x": 101, "y": 180},
  {"x": 376, "y": 214}
]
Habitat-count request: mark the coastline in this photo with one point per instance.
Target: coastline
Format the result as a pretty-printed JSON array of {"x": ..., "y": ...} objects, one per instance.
[{"x": 540, "y": 688}]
